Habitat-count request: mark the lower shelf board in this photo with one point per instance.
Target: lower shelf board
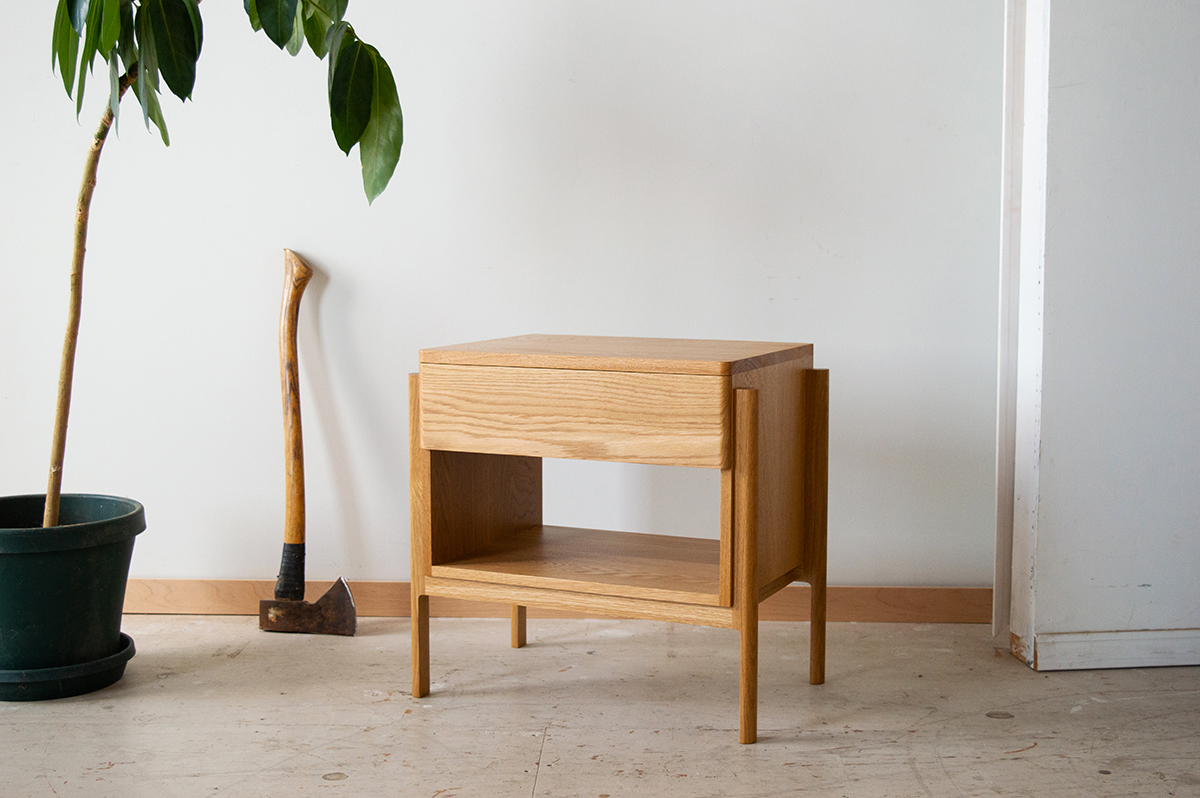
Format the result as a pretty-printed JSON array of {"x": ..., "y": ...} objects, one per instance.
[
  {"x": 622, "y": 564},
  {"x": 592, "y": 604}
]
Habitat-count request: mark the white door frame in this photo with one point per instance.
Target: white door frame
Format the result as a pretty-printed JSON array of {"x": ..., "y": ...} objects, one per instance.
[{"x": 1022, "y": 267}]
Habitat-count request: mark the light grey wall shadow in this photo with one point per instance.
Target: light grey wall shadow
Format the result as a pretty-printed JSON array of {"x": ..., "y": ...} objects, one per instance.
[{"x": 321, "y": 411}]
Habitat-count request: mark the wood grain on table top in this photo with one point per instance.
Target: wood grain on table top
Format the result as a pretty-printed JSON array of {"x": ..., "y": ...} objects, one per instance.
[{"x": 601, "y": 353}]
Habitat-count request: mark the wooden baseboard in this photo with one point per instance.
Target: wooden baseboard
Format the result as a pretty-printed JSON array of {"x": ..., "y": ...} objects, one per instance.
[{"x": 391, "y": 599}]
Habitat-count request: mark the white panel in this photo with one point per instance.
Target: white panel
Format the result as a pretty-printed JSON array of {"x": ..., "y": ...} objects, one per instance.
[
  {"x": 1031, "y": 269},
  {"x": 1010, "y": 284}
]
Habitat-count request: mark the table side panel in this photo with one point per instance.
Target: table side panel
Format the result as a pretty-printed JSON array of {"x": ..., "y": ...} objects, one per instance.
[
  {"x": 660, "y": 419},
  {"x": 727, "y": 537},
  {"x": 418, "y": 489},
  {"x": 780, "y": 472},
  {"x": 477, "y": 500},
  {"x": 814, "y": 454}
]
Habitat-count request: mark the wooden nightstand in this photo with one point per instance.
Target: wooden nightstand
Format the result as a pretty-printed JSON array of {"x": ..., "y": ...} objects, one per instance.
[{"x": 482, "y": 415}]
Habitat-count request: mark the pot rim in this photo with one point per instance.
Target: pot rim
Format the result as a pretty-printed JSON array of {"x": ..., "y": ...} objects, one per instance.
[{"x": 121, "y": 520}]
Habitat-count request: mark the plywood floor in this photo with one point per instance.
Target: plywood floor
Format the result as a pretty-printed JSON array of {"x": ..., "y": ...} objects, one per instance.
[{"x": 210, "y": 706}]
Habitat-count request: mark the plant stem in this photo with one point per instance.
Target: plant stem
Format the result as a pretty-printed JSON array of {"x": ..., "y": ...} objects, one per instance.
[{"x": 67, "y": 365}]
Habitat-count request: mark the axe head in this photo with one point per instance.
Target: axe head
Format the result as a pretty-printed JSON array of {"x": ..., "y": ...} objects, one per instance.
[{"x": 332, "y": 614}]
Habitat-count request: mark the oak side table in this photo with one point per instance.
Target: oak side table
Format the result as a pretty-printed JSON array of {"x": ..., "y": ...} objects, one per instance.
[{"x": 483, "y": 415}]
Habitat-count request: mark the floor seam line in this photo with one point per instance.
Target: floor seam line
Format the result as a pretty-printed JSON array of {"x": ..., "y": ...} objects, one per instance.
[{"x": 538, "y": 770}]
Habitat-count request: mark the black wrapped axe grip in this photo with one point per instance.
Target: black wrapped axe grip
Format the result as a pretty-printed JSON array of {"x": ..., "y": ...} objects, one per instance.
[{"x": 290, "y": 585}]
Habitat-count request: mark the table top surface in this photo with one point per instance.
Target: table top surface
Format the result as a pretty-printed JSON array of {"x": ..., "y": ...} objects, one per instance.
[{"x": 600, "y": 353}]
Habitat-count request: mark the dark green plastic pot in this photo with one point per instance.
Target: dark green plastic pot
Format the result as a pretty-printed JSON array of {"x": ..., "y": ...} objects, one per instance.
[{"x": 62, "y": 589}]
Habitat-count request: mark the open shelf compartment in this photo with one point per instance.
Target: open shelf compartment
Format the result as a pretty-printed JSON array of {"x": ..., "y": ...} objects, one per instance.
[{"x": 602, "y": 562}]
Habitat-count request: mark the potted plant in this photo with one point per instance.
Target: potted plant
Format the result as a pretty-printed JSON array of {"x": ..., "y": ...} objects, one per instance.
[{"x": 64, "y": 559}]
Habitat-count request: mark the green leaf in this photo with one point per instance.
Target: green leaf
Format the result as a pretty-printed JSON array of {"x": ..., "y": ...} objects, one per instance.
[
  {"x": 278, "y": 18},
  {"x": 331, "y": 10},
  {"x": 379, "y": 147},
  {"x": 316, "y": 25},
  {"x": 297, "y": 41},
  {"x": 110, "y": 29},
  {"x": 193, "y": 9},
  {"x": 65, "y": 47},
  {"x": 351, "y": 94},
  {"x": 155, "y": 113},
  {"x": 335, "y": 8},
  {"x": 126, "y": 45},
  {"x": 91, "y": 34},
  {"x": 252, "y": 12},
  {"x": 79, "y": 90},
  {"x": 174, "y": 43},
  {"x": 114, "y": 89},
  {"x": 147, "y": 79},
  {"x": 77, "y": 11},
  {"x": 146, "y": 87},
  {"x": 87, "y": 54},
  {"x": 333, "y": 45}
]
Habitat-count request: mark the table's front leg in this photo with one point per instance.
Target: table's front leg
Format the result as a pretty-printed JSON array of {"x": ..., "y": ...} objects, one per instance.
[
  {"x": 420, "y": 645},
  {"x": 420, "y": 529},
  {"x": 746, "y": 555}
]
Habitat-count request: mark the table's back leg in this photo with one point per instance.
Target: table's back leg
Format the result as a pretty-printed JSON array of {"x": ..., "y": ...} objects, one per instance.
[
  {"x": 518, "y": 626},
  {"x": 815, "y": 388}
]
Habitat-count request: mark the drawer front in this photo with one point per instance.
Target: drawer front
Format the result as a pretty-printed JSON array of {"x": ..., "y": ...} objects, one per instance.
[{"x": 662, "y": 419}]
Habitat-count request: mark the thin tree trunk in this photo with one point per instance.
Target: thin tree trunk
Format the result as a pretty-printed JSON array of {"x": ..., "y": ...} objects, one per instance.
[{"x": 67, "y": 365}]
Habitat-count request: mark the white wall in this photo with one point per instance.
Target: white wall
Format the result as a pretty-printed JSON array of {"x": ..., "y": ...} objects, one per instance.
[
  {"x": 795, "y": 171},
  {"x": 1109, "y": 569}
]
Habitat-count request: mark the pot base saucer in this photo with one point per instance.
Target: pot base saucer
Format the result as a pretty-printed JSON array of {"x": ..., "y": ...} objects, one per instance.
[{"x": 42, "y": 684}]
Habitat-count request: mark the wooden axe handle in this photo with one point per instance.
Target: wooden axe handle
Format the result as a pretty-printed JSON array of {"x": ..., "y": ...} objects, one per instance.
[{"x": 297, "y": 273}]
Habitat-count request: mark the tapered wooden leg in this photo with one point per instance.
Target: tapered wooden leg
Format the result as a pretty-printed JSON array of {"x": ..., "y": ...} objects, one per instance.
[
  {"x": 816, "y": 643},
  {"x": 420, "y": 645},
  {"x": 748, "y": 702},
  {"x": 746, "y": 556},
  {"x": 518, "y": 626},
  {"x": 816, "y": 500},
  {"x": 419, "y": 507}
]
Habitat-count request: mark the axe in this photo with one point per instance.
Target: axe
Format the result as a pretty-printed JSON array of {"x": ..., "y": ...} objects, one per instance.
[{"x": 334, "y": 612}]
